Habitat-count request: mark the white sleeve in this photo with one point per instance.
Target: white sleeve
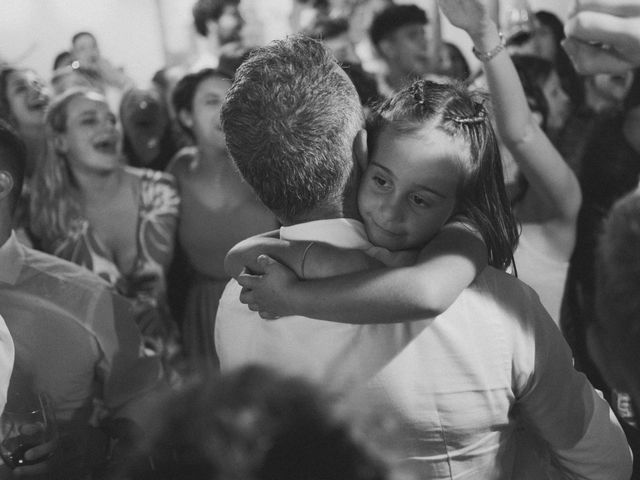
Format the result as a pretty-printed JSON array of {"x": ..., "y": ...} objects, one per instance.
[
  {"x": 7, "y": 355},
  {"x": 562, "y": 407}
]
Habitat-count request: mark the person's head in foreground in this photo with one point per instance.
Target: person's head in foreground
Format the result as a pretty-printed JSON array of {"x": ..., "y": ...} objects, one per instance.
[
  {"x": 434, "y": 155},
  {"x": 292, "y": 120},
  {"x": 252, "y": 424},
  {"x": 615, "y": 340}
]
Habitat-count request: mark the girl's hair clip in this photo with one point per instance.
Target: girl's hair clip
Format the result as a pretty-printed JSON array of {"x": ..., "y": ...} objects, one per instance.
[
  {"x": 417, "y": 90},
  {"x": 479, "y": 117}
]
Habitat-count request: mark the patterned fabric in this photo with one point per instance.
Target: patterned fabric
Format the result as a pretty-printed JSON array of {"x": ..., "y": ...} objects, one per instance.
[{"x": 145, "y": 283}]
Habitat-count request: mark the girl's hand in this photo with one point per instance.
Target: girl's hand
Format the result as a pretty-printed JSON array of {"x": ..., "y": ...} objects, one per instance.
[
  {"x": 269, "y": 293},
  {"x": 470, "y": 15}
]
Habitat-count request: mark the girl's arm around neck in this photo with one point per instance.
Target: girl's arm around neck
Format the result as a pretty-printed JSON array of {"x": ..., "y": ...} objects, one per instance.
[{"x": 420, "y": 290}]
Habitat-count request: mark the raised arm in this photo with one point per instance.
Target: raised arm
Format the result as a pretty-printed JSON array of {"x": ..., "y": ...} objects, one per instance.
[
  {"x": 553, "y": 187},
  {"x": 415, "y": 291}
]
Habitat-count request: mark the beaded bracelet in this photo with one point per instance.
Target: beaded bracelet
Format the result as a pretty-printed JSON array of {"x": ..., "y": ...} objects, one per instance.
[{"x": 488, "y": 56}]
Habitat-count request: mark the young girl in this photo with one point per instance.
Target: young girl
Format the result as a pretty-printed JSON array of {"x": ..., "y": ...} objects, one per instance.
[{"x": 433, "y": 189}]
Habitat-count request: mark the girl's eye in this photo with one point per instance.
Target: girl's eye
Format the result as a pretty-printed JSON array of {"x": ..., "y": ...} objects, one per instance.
[
  {"x": 379, "y": 181},
  {"x": 88, "y": 121},
  {"x": 419, "y": 201}
]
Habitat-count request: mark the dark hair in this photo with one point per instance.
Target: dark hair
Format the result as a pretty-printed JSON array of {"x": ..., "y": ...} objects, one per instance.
[
  {"x": 618, "y": 279},
  {"x": 290, "y": 119},
  {"x": 13, "y": 160},
  {"x": 5, "y": 109},
  {"x": 253, "y": 424},
  {"x": 460, "y": 69},
  {"x": 76, "y": 36},
  {"x": 185, "y": 91},
  {"x": 62, "y": 59},
  {"x": 534, "y": 73},
  {"x": 204, "y": 10},
  {"x": 327, "y": 27},
  {"x": 570, "y": 79},
  {"x": 140, "y": 111},
  {"x": 461, "y": 114},
  {"x": 392, "y": 18}
]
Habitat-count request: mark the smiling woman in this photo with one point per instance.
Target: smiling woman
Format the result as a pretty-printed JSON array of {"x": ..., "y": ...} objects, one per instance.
[{"x": 117, "y": 221}]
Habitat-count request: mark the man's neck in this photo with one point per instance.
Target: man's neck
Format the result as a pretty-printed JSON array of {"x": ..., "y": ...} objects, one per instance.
[{"x": 322, "y": 213}]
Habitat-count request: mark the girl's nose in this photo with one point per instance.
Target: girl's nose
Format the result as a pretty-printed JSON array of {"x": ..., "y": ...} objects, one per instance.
[{"x": 390, "y": 210}]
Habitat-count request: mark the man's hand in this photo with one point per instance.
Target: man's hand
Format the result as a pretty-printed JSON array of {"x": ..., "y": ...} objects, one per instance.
[
  {"x": 268, "y": 293},
  {"x": 603, "y": 36},
  {"x": 43, "y": 454}
]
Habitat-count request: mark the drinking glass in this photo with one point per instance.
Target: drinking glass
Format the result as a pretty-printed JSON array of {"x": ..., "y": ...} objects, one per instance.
[{"x": 26, "y": 426}]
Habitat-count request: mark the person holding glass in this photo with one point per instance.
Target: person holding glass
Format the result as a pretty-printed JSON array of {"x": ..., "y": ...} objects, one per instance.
[{"x": 74, "y": 338}]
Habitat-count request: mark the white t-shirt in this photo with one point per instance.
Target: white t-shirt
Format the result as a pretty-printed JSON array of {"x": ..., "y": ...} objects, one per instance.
[{"x": 451, "y": 384}]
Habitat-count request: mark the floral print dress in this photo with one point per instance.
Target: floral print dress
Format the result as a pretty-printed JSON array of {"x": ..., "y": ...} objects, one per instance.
[{"x": 145, "y": 283}]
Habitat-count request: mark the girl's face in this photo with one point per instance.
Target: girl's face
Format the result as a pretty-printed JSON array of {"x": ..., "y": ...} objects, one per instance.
[
  {"x": 408, "y": 191},
  {"x": 91, "y": 141},
  {"x": 204, "y": 119},
  {"x": 559, "y": 103},
  {"x": 28, "y": 98}
]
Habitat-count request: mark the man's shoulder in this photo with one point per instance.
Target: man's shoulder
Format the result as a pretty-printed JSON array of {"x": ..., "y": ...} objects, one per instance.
[
  {"x": 505, "y": 293},
  {"x": 39, "y": 264}
]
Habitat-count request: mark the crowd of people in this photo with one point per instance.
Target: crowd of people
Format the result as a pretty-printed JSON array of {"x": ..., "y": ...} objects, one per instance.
[{"x": 273, "y": 262}]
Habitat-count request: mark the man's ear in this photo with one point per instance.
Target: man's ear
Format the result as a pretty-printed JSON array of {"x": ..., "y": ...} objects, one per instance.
[
  {"x": 360, "y": 150},
  {"x": 6, "y": 184}
]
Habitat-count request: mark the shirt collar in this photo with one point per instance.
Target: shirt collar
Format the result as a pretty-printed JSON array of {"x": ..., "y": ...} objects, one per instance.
[
  {"x": 11, "y": 260},
  {"x": 340, "y": 232}
]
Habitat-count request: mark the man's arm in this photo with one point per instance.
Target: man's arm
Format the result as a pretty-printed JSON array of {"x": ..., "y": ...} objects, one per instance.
[
  {"x": 560, "y": 405},
  {"x": 131, "y": 380}
]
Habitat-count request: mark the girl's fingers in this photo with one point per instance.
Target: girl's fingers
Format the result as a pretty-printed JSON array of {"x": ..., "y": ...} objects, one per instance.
[{"x": 247, "y": 281}]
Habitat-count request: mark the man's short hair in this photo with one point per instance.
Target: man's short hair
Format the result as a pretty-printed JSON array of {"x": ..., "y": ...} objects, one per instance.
[
  {"x": 386, "y": 22},
  {"x": 290, "y": 119},
  {"x": 205, "y": 10},
  {"x": 13, "y": 158}
]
